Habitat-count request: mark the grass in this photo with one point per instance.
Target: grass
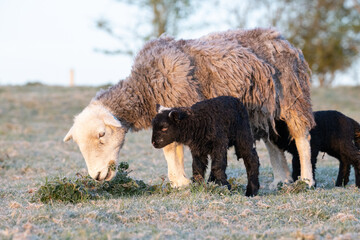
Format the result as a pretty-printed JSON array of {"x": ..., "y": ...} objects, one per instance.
[
  {"x": 35, "y": 118},
  {"x": 84, "y": 188}
]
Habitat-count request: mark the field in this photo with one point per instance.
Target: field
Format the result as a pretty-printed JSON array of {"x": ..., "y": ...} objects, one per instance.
[{"x": 35, "y": 118}]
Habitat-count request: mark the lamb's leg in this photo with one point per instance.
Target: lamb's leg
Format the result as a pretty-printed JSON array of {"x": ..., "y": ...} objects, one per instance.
[
  {"x": 296, "y": 167},
  {"x": 351, "y": 155},
  {"x": 303, "y": 147},
  {"x": 340, "y": 177},
  {"x": 218, "y": 167},
  {"x": 174, "y": 155},
  {"x": 357, "y": 174},
  {"x": 199, "y": 166},
  {"x": 252, "y": 164},
  {"x": 278, "y": 162},
  {"x": 244, "y": 149},
  {"x": 347, "y": 173},
  {"x": 344, "y": 173},
  {"x": 314, "y": 154}
]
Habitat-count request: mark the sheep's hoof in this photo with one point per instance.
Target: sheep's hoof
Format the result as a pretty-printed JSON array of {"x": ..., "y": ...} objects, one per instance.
[
  {"x": 311, "y": 183},
  {"x": 275, "y": 184},
  {"x": 180, "y": 182}
]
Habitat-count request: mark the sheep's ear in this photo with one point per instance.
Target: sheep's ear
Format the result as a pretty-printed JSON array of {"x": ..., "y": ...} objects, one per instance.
[
  {"x": 68, "y": 135},
  {"x": 111, "y": 120},
  {"x": 177, "y": 115}
]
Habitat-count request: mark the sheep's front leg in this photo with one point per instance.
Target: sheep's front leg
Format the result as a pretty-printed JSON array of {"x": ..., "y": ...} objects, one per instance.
[
  {"x": 174, "y": 155},
  {"x": 303, "y": 147},
  {"x": 278, "y": 162}
]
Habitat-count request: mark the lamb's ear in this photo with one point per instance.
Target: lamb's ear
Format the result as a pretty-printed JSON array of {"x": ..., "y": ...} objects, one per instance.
[
  {"x": 160, "y": 108},
  {"x": 177, "y": 115},
  {"x": 68, "y": 135},
  {"x": 111, "y": 120}
]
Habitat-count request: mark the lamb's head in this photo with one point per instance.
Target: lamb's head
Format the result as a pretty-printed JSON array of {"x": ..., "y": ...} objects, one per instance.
[
  {"x": 166, "y": 125},
  {"x": 99, "y": 136}
]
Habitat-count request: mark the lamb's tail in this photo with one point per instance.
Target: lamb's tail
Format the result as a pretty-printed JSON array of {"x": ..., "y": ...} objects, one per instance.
[{"x": 357, "y": 135}]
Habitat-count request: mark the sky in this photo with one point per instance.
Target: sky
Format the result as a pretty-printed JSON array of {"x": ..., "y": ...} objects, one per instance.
[{"x": 42, "y": 40}]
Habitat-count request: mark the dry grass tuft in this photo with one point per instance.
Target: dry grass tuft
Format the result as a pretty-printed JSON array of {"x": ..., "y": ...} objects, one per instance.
[
  {"x": 297, "y": 187},
  {"x": 84, "y": 188}
]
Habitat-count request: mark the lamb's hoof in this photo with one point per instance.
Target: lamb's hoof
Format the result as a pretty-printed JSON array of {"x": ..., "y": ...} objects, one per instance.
[
  {"x": 227, "y": 185},
  {"x": 180, "y": 182},
  {"x": 252, "y": 189},
  {"x": 197, "y": 179},
  {"x": 250, "y": 193},
  {"x": 211, "y": 178},
  {"x": 224, "y": 183}
]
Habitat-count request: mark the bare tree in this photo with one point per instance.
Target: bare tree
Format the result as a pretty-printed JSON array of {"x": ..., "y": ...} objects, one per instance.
[
  {"x": 327, "y": 31},
  {"x": 163, "y": 16}
]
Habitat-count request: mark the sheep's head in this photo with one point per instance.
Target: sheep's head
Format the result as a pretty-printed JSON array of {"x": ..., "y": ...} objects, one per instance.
[
  {"x": 166, "y": 125},
  {"x": 100, "y": 137}
]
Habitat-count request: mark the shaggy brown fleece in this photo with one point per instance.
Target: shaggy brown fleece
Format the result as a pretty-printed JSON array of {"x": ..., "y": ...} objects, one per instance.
[{"x": 258, "y": 66}]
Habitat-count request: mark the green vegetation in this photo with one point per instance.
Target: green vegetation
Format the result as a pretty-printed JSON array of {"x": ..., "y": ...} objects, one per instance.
[
  {"x": 33, "y": 122},
  {"x": 84, "y": 188}
]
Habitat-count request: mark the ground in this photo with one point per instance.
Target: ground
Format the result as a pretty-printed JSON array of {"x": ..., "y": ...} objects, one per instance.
[{"x": 35, "y": 118}]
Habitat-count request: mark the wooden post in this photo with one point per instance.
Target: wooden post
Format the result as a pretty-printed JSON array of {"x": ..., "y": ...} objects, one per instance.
[{"x": 72, "y": 81}]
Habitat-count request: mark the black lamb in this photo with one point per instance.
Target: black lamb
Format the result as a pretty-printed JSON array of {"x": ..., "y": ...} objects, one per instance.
[
  {"x": 334, "y": 134},
  {"x": 209, "y": 128}
]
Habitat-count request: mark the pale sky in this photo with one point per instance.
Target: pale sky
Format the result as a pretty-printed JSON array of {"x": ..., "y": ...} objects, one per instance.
[{"x": 41, "y": 40}]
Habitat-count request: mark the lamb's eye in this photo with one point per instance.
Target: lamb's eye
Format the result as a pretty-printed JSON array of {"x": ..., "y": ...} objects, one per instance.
[
  {"x": 101, "y": 134},
  {"x": 164, "y": 129}
]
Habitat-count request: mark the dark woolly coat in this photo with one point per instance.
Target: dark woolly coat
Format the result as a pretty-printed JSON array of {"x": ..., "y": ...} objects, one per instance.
[
  {"x": 334, "y": 134},
  {"x": 209, "y": 128},
  {"x": 256, "y": 66}
]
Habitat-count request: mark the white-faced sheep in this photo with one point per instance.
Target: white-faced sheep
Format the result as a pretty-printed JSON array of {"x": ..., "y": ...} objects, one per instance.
[
  {"x": 258, "y": 66},
  {"x": 209, "y": 128},
  {"x": 334, "y": 134}
]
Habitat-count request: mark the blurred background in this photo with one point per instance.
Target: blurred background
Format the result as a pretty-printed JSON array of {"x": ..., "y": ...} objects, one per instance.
[{"x": 93, "y": 42}]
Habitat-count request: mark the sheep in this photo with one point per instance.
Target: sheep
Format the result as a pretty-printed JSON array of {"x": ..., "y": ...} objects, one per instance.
[
  {"x": 258, "y": 66},
  {"x": 209, "y": 128},
  {"x": 334, "y": 134}
]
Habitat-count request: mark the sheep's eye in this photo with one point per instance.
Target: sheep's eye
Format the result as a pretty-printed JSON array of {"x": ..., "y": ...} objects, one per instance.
[
  {"x": 164, "y": 129},
  {"x": 101, "y": 134}
]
